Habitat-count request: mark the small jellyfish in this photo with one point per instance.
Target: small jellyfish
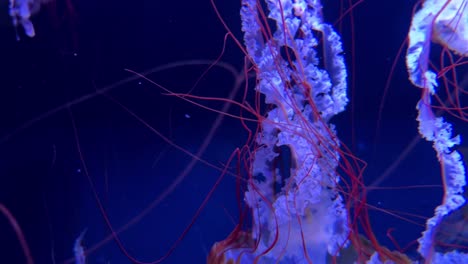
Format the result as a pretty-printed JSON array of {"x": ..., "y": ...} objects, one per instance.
[{"x": 21, "y": 11}]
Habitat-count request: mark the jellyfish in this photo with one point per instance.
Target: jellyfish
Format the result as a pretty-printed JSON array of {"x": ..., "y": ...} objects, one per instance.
[
  {"x": 312, "y": 225},
  {"x": 304, "y": 218},
  {"x": 21, "y": 12},
  {"x": 299, "y": 187},
  {"x": 445, "y": 23}
]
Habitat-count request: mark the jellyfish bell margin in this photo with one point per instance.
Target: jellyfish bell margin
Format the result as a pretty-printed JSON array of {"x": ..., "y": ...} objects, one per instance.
[{"x": 445, "y": 23}]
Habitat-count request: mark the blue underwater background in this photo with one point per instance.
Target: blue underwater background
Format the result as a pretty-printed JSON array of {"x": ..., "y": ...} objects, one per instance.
[{"x": 79, "y": 51}]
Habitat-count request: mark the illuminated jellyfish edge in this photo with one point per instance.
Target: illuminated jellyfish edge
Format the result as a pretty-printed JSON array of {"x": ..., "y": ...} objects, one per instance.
[{"x": 432, "y": 128}]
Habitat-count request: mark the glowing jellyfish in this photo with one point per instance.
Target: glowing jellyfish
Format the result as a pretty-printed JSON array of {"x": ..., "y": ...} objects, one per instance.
[
  {"x": 304, "y": 217},
  {"x": 21, "y": 12},
  {"x": 450, "y": 26},
  {"x": 305, "y": 193},
  {"x": 446, "y": 23}
]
